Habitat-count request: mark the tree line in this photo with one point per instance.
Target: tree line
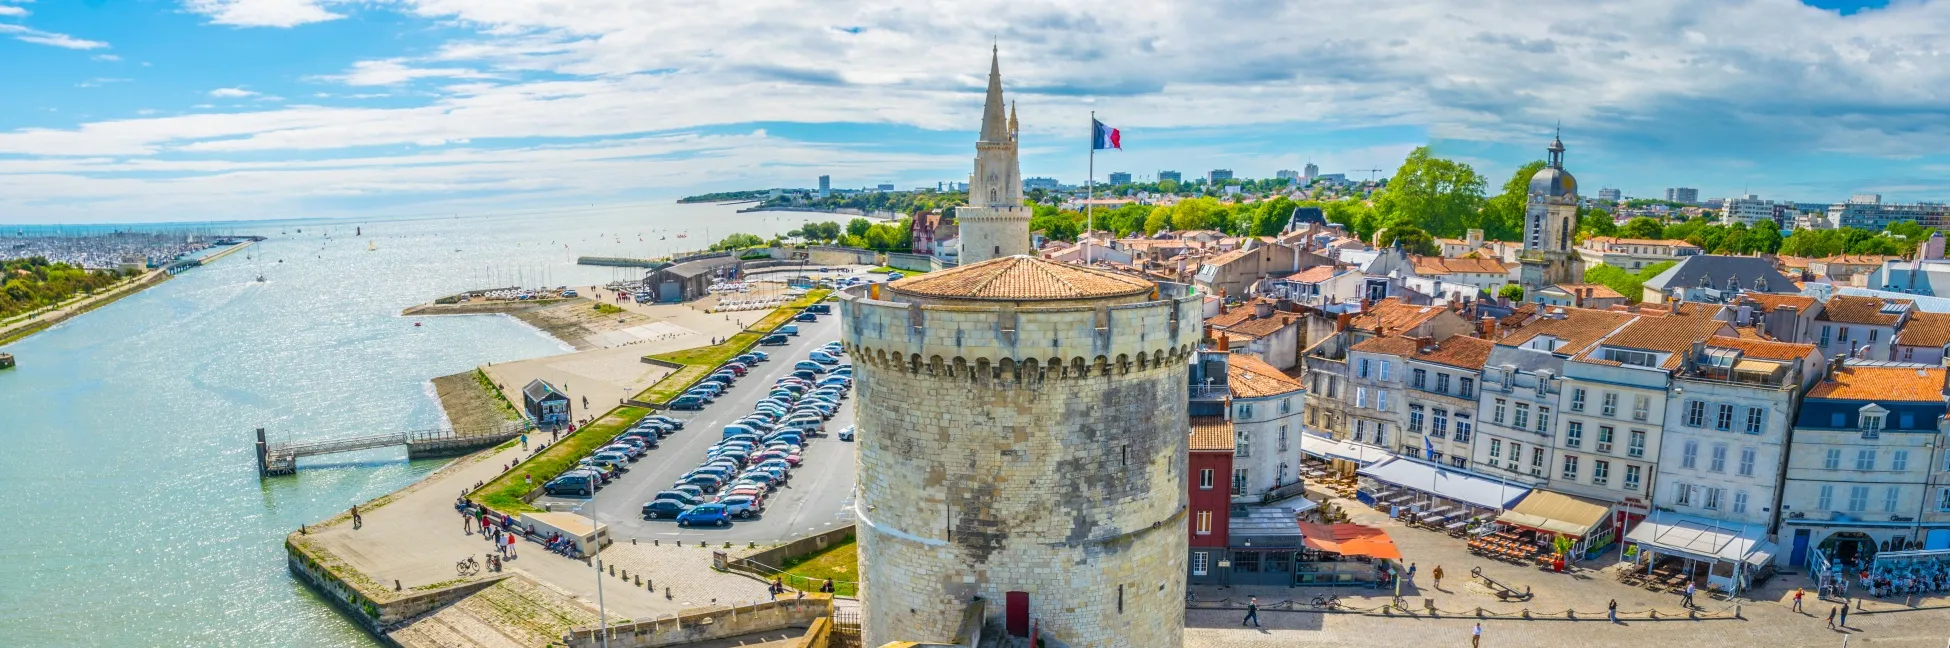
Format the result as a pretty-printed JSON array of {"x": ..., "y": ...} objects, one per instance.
[{"x": 34, "y": 283}]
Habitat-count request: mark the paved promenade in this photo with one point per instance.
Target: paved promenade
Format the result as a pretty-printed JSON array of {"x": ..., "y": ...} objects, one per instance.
[
  {"x": 1768, "y": 620},
  {"x": 414, "y": 537}
]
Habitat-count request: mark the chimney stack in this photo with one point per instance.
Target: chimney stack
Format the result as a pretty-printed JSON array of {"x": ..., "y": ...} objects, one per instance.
[{"x": 1262, "y": 308}]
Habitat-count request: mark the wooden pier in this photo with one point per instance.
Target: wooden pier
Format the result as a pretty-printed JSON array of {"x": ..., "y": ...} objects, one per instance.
[{"x": 274, "y": 459}]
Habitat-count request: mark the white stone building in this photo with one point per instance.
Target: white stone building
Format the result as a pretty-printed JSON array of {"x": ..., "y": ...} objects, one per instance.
[
  {"x": 1613, "y": 410},
  {"x": 1726, "y": 433},
  {"x": 1267, "y": 410},
  {"x": 1866, "y": 471},
  {"x": 1523, "y": 376},
  {"x": 994, "y": 223},
  {"x": 1375, "y": 372},
  {"x": 1860, "y": 327},
  {"x": 1441, "y": 399}
]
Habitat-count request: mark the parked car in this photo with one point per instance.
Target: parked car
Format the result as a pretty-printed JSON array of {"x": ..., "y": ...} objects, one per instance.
[
  {"x": 773, "y": 340},
  {"x": 616, "y": 458},
  {"x": 583, "y": 485},
  {"x": 847, "y": 433},
  {"x": 707, "y": 483},
  {"x": 695, "y": 492},
  {"x": 805, "y": 317},
  {"x": 688, "y": 402},
  {"x": 664, "y": 508},
  {"x": 712, "y": 514},
  {"x": 790, "y": 329},
  {"x": 684, "y": 497},
  {"x": 823, "y": 358},
  {"x": 895, "y": 276},
  {"x": 743, "y": 506},
  {"x": 822, "y": 309}
]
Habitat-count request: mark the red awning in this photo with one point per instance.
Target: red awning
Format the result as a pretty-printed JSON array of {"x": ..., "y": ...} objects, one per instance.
[{"x": 1349, "y": 540}]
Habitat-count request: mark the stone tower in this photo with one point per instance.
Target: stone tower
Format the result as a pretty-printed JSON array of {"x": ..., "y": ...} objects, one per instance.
[
  {"x": 1022, "y": 440},
  {"x": 1550, "y": 226},
  {"x": 994, "y": 223}
]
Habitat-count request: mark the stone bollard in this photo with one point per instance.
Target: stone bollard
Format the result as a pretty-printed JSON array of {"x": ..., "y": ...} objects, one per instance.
[
  {"x": 626, "y": 574},
  {"x": 1736, "y": 611},
  {"x": 1479, "y": 610},
  {"x": 1571, "y": 614},
  {"x": 1692, "y": 613},
  {"x": 680, "y": 543},
  {"x": 612, "y": 570},
  {"x": 639, "y": 580},
  {"x": 1526, "y": 613},
  {"x": 632, "y": 542},
  {"x": 1654, "y": 614},
  {"x": 656, "y": 543}
]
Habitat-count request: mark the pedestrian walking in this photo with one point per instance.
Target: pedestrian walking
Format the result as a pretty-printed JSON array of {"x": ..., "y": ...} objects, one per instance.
[
  {"x": 1611, "y": 610},
  {"x": 1437, "y": 574},
  {"x": 1688, "y": 599},
  {"x": 524, "y": 438},
  {"x": 1411, "y": 572},
  {"x": 466, "y": 524},
  {"x": 1797, "y": 599},
  {"x": 1252, "y": 612},
  {"x": 356, "y": 522},
  {"x": 1844, "y": 621},
  {"x": 511, "y": 545},
  {"x": 1831, "y": 618},
  {"x": 1476, "y": 636}
]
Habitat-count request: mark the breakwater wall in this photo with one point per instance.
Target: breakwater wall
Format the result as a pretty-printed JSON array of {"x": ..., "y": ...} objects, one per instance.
[
  {"x": 708, "y": 624},
  {"x": 376, "y": 608},
  {"x": 620, "y": 262}
]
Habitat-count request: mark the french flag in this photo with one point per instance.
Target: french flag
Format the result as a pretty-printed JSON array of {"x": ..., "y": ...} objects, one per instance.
[{"x": 1104, "y": 137}]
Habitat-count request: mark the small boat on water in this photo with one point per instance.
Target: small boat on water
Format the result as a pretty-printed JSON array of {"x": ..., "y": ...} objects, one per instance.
[
  {"x": 416, "y": 324},
  {"x": 260, "y": 278},
  {"x": 371, "y": 247}
]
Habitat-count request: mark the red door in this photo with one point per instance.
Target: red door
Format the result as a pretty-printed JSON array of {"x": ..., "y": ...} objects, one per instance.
[{"x": 1017, "y": 613}]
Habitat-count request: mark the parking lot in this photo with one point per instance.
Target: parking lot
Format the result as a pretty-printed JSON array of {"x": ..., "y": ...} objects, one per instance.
[{"x": 817, "y": 498}]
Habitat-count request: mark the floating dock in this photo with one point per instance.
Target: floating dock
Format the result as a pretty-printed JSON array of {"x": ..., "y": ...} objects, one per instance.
[{"x": 274, "y": 459}]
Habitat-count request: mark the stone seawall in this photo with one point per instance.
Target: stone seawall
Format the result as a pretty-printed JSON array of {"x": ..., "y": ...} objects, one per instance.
[
  {"x": 708, "y": 624},
  {"x": 375, "y": 608}
]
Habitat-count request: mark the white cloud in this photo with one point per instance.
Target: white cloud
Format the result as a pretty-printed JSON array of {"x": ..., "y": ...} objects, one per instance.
[
  {"x": 262, "y": 13},
  {"x": 109, "y": 58},
  {"x": 1644, "y": 78},
  {"x": 12, "y": 11},
  {"x": 38, "y": 37},
  {"x": 396, "y": 71}
]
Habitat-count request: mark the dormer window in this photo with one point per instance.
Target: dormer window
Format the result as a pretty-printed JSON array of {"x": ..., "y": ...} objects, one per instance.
[
  {"x": 1871, "y": 422},
  {"x": 1630, "y": 357},
  {"x": 1871, "y": 418}
]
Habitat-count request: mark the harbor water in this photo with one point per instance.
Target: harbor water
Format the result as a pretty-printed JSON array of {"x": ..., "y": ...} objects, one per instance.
[{"x": 134, "y": 511}]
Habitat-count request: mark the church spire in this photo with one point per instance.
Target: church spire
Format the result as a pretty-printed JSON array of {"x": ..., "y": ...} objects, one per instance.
[
  {"x": 1556, "y": 160},
  {"x": 1012, "y": 120},
  {"x": 994, "y": 121}
]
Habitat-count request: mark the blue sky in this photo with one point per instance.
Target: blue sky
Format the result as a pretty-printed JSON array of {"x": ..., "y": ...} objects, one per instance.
[{"x": 172, "y": 110}]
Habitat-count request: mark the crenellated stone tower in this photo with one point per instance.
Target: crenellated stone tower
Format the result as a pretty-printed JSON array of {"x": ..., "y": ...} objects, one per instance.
[
  {"x": 994, "y": 223},
  {"x": 1022, "y": 439}
]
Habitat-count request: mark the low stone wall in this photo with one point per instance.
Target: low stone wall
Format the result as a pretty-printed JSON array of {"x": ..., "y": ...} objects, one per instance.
[
  {"x": 828, "y": 255},
  {"x": 708, "y": 624},
  {"x": 373, "y": 606},
  {"x": 818, "y": 635},
  {"x": 917, "y": 262},
  {"x": 764, "y": 563}
]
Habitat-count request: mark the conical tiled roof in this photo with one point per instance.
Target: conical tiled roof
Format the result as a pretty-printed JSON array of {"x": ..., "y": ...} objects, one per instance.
[{"x": 1022, "y": 278}]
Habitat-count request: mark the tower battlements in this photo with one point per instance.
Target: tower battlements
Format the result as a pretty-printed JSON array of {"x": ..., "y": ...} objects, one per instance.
[{"x": 1004, "y": 339}]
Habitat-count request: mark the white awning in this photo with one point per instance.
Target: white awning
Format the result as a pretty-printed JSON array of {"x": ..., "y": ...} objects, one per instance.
[
  {"x": 1703, "y": 539},
  {"x": 1449, "y": 483},
  {"x": 1328, "y": 448}
]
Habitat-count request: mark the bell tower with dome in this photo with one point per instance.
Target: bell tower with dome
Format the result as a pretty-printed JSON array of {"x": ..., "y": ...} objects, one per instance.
[
  {"x": 1550, "y": 226},
  {"x": 994, "y": 223}
]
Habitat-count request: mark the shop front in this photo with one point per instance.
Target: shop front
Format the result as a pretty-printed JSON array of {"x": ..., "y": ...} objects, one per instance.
[
  {"x": 1672, "y": 550},
  {"x": 1435, "y": 496},
  {"x": 1346, "y": 554},
  {"x": 1263, "y": 544}
]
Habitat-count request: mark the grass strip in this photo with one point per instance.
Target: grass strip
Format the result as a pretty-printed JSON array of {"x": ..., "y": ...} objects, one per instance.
[
  {"x": 839, "y": 561},
  {"x": 503, "y": 494},
  {"x": 701, "y": 361},
  {"x": 500, "y": 400},
  {"x": 903, "y": 271}
]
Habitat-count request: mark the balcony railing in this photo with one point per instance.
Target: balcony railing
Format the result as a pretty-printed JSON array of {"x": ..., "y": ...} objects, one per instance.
[{"x": 1211, "y": 392}]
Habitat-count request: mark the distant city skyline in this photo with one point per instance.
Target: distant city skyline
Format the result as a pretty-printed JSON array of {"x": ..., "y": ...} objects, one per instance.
[{"x": 240, "y": 109}]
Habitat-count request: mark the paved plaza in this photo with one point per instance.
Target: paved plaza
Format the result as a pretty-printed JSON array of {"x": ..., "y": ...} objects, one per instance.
[{"x": 1767, "y": 619}]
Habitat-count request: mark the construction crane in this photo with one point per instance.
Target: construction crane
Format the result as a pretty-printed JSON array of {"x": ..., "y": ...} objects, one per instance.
[{"x": 1371, "y": 173}]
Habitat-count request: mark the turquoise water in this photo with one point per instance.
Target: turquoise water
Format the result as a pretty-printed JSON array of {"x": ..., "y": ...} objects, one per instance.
[{"x": 134, "y": 513}]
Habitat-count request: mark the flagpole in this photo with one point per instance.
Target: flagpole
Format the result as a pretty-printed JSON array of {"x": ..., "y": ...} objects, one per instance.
[{"x": 1090, "y": 190}]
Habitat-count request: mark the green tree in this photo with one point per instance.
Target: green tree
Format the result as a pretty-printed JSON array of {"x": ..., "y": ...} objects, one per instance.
[
  {"x": 858, "y": 227},
  {"x": 1512, "y": 292},
  {"x": 738, "y": 242},
  {"x": 1158, "y": 219},
  {"x": 1439, "y": 195},
  {"x": 1168, "y": 186},
  {"x": 1503, "y": 214},
  {"x": 1596, "y": 222},
  {"x": 1642, "y": 227},
  {"x": 1414, "y": 240},
  {"x": 1271, "y": 216}
]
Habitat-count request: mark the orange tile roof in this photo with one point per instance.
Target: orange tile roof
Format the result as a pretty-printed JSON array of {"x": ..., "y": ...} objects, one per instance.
[
  {"x": 1579, "y": 328},
  {"x": 1925, "y": 330},
  {"x": 1771, "y": 301},
  {"x": 1391, "y": 315},
  {"x": 1233, "y": 316},
  {"x": 1314, "y": 274},
  {"x": 1882, "y": 384},
  {"x": 1850, "y": 309},
  {"x": 1251, "y": 377},
  {"x": 1387, "y": 345},
  {"x": 1672, "y": 335},
  {"x": 1632, "y": 241},
  {"x": 1022, "y": 278},
  {"x": 1858, "y": 259},
  {"x": 1264, "y": 326},
  {"x": 1211, "y": 433},
  {"x": 1459, "y": 351},
  {"x": 1762, "y": 349},
  {"x": 1598, "y": 291},
  {"x": 1428, "y": 265}
]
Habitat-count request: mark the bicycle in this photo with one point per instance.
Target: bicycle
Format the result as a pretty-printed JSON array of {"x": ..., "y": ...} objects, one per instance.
[
  {"x": 1327, "y": 601},
  {"x": 468, "y": 567}
]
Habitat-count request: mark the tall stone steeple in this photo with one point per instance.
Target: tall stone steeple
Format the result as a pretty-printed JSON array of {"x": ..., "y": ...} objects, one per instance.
[{"x": 994, "y": 223}]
